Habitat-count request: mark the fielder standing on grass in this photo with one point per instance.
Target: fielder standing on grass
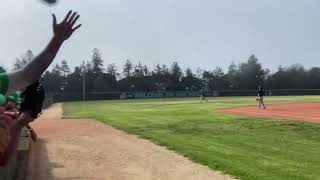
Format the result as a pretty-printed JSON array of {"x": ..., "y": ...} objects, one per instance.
[
  {"x": 260, "y": 96},
  {"x": 202, "y": 97},
  {"x": 11, "y": 119}
]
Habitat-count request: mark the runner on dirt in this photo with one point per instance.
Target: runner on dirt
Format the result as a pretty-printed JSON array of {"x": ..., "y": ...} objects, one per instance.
[{"x": 260, "y": 96}]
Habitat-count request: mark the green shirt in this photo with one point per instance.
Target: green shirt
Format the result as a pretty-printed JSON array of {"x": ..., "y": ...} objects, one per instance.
[{"x": 4, "y": 81}]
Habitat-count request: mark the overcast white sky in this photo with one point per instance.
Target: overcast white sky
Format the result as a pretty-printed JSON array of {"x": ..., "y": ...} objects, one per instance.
[{"x": 196, "y": 33}]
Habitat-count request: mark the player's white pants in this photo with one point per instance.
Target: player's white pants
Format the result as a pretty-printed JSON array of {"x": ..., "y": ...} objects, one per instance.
[{"x": 261, "y": 103}]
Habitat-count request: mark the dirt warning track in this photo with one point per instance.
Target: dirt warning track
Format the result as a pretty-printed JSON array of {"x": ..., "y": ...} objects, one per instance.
[
  {"x": 298, "y": 111},
  {"x": 88, "y": 149}
]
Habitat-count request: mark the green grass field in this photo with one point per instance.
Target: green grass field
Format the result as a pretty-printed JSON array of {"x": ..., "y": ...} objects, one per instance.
[{"x": 244, "y": 147}]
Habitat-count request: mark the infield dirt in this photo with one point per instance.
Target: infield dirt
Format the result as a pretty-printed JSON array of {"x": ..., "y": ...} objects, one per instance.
[{"x": 297, "y": 111}]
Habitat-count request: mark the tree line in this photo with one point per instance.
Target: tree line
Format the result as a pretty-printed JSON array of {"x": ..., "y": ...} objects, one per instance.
[{"x": 247, "y": 75}]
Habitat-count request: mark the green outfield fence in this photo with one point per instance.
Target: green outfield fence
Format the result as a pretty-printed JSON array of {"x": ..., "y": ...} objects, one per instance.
[{"x": 75, "y": 96}]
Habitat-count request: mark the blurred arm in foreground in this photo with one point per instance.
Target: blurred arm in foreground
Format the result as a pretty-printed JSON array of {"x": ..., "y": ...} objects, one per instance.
[
  {"x": 9, "y": 142},
  {"x": 13, "y": 120},
  {"x": 33, "y": 70},
  {"x": 5, "y": 123}
]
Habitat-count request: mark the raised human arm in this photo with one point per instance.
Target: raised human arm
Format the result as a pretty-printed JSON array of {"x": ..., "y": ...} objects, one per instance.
[{"x": 33, "y": 70}]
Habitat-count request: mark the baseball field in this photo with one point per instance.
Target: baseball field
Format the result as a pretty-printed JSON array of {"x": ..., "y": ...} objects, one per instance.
[{"x": 225, "y": 133}]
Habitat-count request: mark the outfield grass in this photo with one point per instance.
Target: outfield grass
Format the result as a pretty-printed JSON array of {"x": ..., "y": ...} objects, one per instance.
[{"x": 247, "y": 148}]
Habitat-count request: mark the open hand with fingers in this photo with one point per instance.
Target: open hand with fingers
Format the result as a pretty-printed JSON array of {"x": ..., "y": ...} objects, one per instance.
[{"x": 65, "y": 29}]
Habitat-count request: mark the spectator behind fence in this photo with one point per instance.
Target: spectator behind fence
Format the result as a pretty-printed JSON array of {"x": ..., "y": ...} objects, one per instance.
[
  {"x": 5, "y": 123},
  {"x": 11, "y": 120}
]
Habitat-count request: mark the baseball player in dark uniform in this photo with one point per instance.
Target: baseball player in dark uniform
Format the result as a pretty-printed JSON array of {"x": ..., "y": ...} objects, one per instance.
[{"x": 260, "y": 96}]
